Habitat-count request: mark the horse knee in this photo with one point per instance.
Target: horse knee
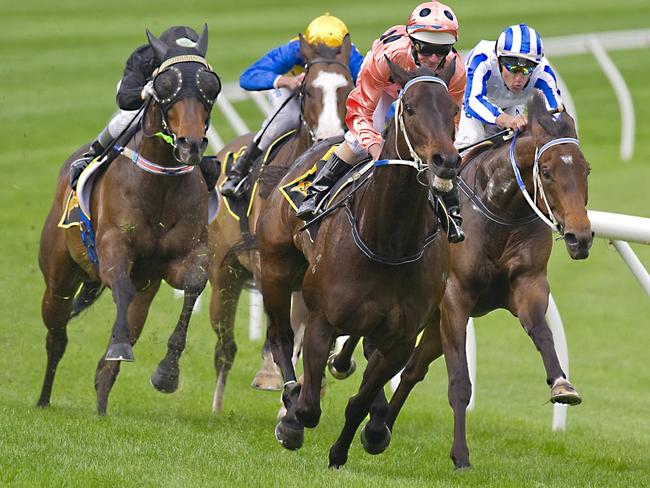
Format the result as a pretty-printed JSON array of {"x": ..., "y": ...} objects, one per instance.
[{"x": 460, "y": 391}]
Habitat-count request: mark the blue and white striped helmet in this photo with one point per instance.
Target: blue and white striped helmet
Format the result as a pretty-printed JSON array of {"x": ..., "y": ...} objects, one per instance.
[{"x": 520, "y": 41}]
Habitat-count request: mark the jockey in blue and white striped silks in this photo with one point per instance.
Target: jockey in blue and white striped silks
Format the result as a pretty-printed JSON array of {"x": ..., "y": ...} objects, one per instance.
[{"x": 487, "y": 94}]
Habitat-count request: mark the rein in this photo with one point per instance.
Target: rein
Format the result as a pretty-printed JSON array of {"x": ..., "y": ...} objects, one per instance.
[{"x": 549, "y": 220}]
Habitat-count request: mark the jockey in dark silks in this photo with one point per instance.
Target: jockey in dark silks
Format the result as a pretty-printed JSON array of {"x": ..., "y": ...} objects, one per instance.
[
  {"x": 282, "y": 70},
  {"x": 134, "y": 88}
]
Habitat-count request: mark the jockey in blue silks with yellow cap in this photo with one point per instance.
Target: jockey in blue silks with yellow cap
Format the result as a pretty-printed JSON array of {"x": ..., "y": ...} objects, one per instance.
[{"x": 282, "y": 71}]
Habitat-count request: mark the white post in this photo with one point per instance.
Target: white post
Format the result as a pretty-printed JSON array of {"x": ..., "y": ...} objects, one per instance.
[
  {"x": 470, "y": 352},
  {"x": 559, "y": 339},
  {"x": 255, "y": 315},
  {"x": 622, "y": 94}
]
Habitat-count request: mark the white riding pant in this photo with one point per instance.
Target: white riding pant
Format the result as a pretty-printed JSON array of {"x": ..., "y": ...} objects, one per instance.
[
  {"x": 471, "y": 130},
  {"x": 286, "y": 119}
]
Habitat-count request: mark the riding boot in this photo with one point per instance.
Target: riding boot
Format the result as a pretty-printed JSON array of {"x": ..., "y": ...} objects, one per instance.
[
  {"x": 454, "y": 230},
  {"x": 323, "y": 182},
  {"x": 82, "y": 163},
  {"x": 210, "y": 169},
  {"x": 233, "y": 186}
]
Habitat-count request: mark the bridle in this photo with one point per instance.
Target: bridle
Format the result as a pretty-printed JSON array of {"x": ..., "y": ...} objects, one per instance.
[
  {"x": 179, "y": 66},
  {"x": 538, "y": 187},
  {"x": 303, "y": 88}
]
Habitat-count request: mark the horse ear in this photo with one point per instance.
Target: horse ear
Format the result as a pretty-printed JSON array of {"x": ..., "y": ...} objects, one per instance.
[
  {"x": 346, "y": 47},
  {"x": 306, "y": 49},
  {"x": 397, "y": 73},
  {"x": 447, "y": 72},
  {"x": 540, "y": 119},
  {"x": 202, "y": 45},
  {"x": 159, "y": 47}
]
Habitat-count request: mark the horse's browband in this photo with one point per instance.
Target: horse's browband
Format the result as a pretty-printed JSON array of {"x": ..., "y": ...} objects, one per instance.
[{"x": 186, "y": 58}]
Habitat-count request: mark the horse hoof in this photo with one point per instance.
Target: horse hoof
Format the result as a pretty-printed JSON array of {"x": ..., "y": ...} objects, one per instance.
[
  {"x": 267, "y": 381},
  {"x": 563, "y": 392},
  {"x": 164, "y": 381},
  {"x": 375, "y": 443},
  {"x": 340, "y": 375},
  {"x": 337, "y": 460},
  {"x": 290, "y": 437},
  {"x": 121, "y": 351}
]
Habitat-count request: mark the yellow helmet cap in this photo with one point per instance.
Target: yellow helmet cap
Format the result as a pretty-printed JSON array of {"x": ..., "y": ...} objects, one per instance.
[{"x": 326, "y": 29}]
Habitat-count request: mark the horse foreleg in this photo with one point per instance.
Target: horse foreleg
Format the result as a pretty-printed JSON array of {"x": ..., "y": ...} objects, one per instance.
[
  {"x": 115, "y": 269},
  {"x": 453, "y": 330},
  {"x": 427, "y": 351},
  {"x": 317, "y": 343},
  {"x": 381, "y": 368},
  {"x": 341, "y": 365},
  {"x": 223, "y": 308},
  {"x": 530, "y": 296},
  {"x": 193, "y": 276},
  {"x": 107, "y": 371}
]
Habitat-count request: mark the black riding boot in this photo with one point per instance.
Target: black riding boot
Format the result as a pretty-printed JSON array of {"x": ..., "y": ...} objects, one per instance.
[
  {"x": 324, "y": 180},
  {"x": 454, "y": 231},
  {"x": 82, "y": 163},
  {"x": 232, "y": 187},
  {"x": 210, "y": 169}
]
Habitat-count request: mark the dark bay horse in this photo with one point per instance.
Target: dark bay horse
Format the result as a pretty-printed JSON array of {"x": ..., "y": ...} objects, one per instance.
[
  {"x": 150, "y": 217},
  {"x": 502, "y": 263},
  {"x": 389, "y": 290},
  {"x": 323, "y": 93}
]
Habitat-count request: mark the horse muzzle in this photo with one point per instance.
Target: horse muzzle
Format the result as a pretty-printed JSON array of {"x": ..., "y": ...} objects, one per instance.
[
  {"x": 445, "y": 165},
  {"x": 190, "y": 150},
  {"x": 578, "y": 243}
]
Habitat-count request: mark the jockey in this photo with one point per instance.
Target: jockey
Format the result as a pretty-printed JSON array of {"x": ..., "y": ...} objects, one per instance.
[
  {"x": 282, "y": 69},
  {"x": 500, "y": 77},
  {"x": 134, "y": 88},
  {"x": 426, "y": 40}
]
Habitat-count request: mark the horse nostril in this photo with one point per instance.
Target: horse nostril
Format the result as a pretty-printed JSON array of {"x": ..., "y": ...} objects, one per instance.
[{"x": 571, "y": 239}]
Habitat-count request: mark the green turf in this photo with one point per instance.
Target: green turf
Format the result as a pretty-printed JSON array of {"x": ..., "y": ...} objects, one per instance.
[{"x": 61, "y": 61}]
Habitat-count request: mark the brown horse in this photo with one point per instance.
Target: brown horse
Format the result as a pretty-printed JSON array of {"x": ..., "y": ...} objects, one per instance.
[
  {"x": 150, "y": 217},
  {"x": 508, "y": 269},
  {"x": 377, "y": 268},
  {"x": 324, "y": 90}
]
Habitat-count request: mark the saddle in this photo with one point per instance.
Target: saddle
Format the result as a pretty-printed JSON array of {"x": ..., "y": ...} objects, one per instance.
[{"x": 240, "y": 208}]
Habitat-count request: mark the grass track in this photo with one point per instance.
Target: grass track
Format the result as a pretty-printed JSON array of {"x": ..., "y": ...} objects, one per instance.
[{"x": 62, "y": 61}]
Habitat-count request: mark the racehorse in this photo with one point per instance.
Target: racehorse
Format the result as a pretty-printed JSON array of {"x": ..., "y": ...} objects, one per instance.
[
  {"x": 323, "y": 93},
  {"x": 376, "y": 268},
  {"x": 503, "y": 261},
  {"x": 149, "y": 211}
]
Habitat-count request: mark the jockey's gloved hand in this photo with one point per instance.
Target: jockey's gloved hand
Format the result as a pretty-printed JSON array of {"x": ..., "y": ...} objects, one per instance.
[{"x": 147, "y": 90}]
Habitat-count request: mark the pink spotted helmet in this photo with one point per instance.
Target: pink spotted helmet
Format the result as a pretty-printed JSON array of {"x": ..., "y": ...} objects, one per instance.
[{"x": 433, "y": 23}]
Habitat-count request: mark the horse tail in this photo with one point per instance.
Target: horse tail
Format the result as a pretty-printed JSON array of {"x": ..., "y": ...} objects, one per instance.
[{"x": 87, "y": 294}]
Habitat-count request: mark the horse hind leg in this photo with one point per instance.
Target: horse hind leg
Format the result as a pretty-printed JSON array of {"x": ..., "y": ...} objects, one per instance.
[
  {"x": 427, "y": 351},
  {"x": 107, "y": 371},
  {"x": 223, "y": 308},
  {"x": 55, "y": 309},
  {"x": 341, "y": 365}
]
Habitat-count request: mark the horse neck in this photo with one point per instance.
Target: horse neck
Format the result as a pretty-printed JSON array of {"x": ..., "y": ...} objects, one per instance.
[
  {"x": 393, "y": 212},
  {"x": 495, "y": 181}
]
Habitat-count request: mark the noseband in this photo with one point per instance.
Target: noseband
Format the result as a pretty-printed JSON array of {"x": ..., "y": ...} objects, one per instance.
[{"x": 549, "y": 220}]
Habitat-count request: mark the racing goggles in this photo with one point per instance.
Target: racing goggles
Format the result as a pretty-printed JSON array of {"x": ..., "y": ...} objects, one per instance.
[
  {"x": 517, "y": 65},
  {"x": 426, "y": 49}
]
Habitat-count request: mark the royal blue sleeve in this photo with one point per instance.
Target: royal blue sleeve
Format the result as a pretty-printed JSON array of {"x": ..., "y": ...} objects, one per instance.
[
  {"x": 356, "y": 59},
  {"x": 261, "y": 74}
]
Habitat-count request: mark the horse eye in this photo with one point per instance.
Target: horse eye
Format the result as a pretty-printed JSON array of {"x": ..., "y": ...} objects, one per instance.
[
  {"x": 545, "y": 172},
  {"x": 408, "y": 109}
]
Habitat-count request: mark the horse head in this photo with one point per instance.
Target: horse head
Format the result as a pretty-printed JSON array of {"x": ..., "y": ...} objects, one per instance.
[
  {"x": 185, "y": 89},
  {"x": 424, "y": 121},
  {"x": 561, "y": 175},
  {"x": 326, "y": 86}
]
